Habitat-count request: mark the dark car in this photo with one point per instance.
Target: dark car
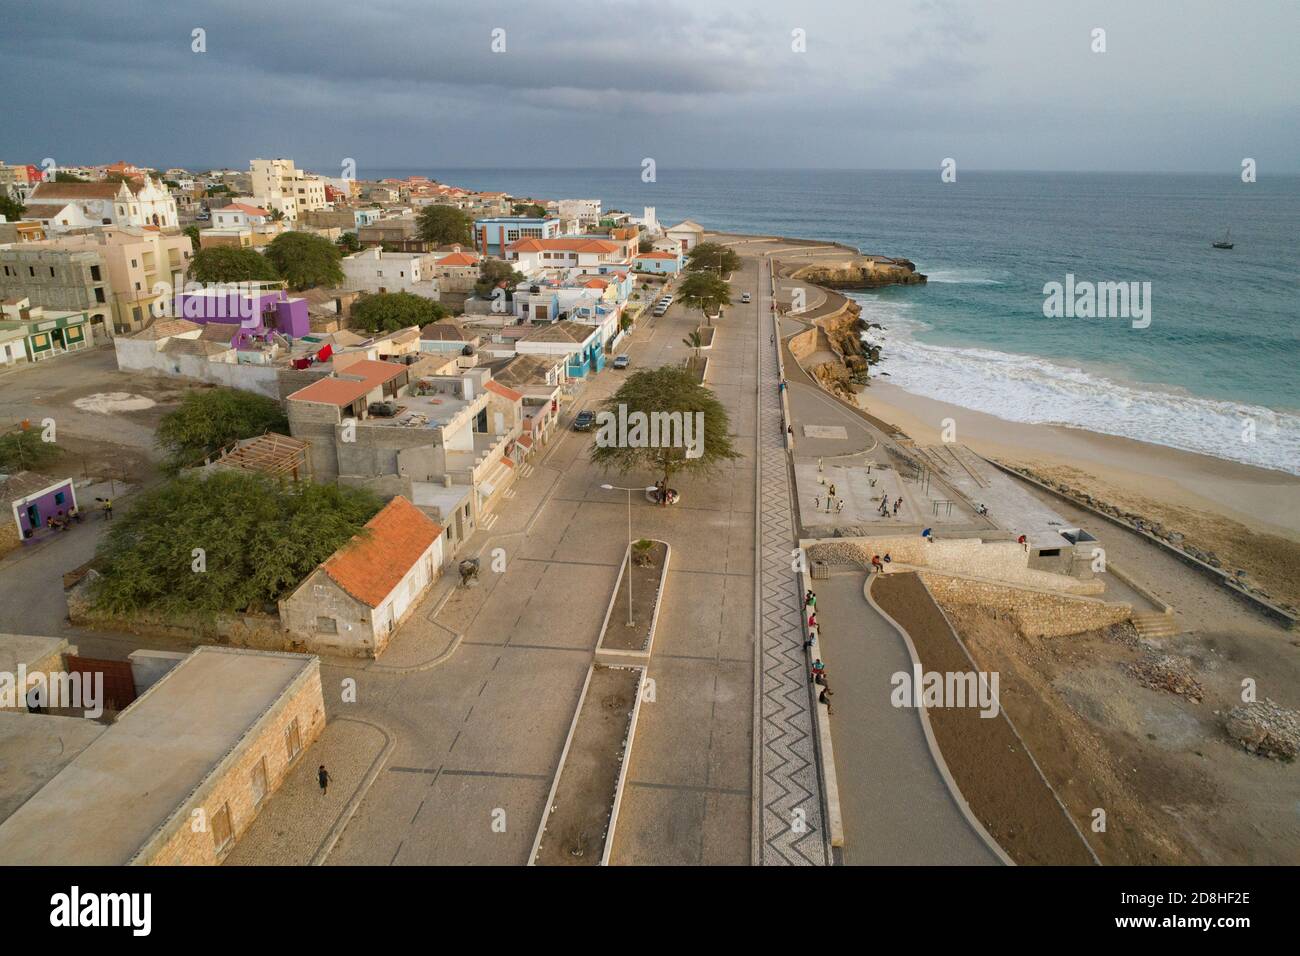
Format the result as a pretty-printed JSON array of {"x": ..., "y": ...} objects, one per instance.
[
  {"x": 383, "y": 409},
  {"x": 584, "y": 421}
]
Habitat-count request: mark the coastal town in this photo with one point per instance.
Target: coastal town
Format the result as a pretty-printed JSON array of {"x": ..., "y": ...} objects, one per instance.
[{"x": 331, "y": 535}]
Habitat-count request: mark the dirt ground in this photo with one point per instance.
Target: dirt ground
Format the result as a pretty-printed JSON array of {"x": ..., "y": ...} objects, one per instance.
[
  {"x": 986, "y": 759},
  {"x": 645, "y": 591},
  {"x": 1174, "y": 787},
  {"x": 1271, "y": 561},
  {"x": 105, "y": 419},
  {"x": 579, "y": 818}
]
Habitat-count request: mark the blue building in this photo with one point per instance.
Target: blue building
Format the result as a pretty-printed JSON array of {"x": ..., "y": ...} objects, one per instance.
[{"x": 491, "y": 236}]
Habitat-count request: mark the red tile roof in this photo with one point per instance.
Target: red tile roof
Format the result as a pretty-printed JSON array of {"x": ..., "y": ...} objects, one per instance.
[
  {"x": 332, "y": 391},
  {"x": 245, "y": 208},
  {"x": 566, "y": 243},
  {"x": 458, "y": 259},
  {"x": 374, "y": 562},
  {"x": 656, "y": 255},
  {"x": 504, "y": 392}
]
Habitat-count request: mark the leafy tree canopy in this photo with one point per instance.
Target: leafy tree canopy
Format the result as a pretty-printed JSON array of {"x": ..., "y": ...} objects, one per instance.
[
  {"x": 492, "y": 272},
  {"x": 669, "y": 389},
  {"x": 705, "y": 291},
  {"x": 443, "y": 225},
  {"x": 193, "y": 233},
  {"x": 712, "y": 257},
  {"x": 25, "y": 451},
  {"x": 390, "y": 311},
  {"x": 304, "y": 260},
  {"x": 62, "y": 177},
  {"x": 531, "y": 210},
  {"x": 259, "y": 539},
  {"x": 349, "y": 242},
  {"x": 230, "y": 264},
  {"x": 11, "y": 209},
  {"x": 210, "y": 419}
]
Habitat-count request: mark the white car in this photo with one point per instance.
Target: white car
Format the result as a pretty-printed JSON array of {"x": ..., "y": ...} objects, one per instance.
[{"x": 744, "y": 297}]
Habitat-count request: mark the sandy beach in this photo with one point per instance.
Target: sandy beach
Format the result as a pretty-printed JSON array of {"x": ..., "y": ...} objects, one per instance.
[{"x": 1248, "y": 516}]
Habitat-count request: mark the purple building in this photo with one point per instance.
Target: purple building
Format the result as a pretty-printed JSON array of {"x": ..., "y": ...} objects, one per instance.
[
  {"x": 259, "y": 311},
  {"x": 34, "y": 499}
]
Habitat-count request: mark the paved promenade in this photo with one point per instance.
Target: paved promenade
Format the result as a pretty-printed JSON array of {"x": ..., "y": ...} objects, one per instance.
[{"x": 791, "y": 826}]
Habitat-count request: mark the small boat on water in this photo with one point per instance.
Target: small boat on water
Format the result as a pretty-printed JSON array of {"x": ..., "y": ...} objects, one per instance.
[{"x": 1226, "y": 241}]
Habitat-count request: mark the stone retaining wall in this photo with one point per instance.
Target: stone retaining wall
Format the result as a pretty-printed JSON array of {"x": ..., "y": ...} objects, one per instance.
[
  {"x": 1034, "y": 613},
  {"x": 1001, "y": 560}
]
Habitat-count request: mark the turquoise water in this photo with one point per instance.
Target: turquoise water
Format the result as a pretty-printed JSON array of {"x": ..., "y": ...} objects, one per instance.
[{"x": 1220, "y": 357}]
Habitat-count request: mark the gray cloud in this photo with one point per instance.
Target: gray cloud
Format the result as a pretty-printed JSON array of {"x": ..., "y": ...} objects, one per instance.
[{"x": 1005, "y": 83}]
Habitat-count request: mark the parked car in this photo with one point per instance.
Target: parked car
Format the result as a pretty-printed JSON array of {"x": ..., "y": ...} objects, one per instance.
[
  {"x": 744, "y": 297},
  {"x": 584, "y": 422},
  {"x": 622, "y": 361},
  {"x": 383, "y": 409}
]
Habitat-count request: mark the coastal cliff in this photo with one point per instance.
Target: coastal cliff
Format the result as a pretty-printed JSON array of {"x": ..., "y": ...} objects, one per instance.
[
  {"x": 859, "y": 272},
  {"x": 831, "y": 350}
]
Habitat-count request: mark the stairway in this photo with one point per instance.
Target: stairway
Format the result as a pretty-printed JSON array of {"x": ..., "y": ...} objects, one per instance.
[{"x": 1155, "y": 624}]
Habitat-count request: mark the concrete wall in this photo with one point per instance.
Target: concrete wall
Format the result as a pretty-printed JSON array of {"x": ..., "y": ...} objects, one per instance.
[
  {"x": 318, "y": 597},
  {"x": 231, "y": 783},
  {"x": 1004, "y": 561},
  {"x": 1034, "y": 613},
  {"x": 149, "y": 667}
]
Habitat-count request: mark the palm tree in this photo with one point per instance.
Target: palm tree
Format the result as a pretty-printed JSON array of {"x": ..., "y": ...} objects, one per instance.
[{"x": 694, "y": 341}]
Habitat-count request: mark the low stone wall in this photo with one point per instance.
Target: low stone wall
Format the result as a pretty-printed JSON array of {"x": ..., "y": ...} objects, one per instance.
[
  {"x": 1034, "y": 613},
  {"x": 1003, "y": 561}
]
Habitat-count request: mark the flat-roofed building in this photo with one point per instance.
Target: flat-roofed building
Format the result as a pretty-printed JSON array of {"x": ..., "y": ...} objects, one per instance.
[{"x": 210, "y": 742}]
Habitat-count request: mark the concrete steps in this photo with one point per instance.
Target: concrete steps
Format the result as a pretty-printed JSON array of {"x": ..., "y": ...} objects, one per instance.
[{"x": 1155, "y": 624}]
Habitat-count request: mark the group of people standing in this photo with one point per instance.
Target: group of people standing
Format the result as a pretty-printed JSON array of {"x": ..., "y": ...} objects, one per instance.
[{"x": 884, "y": 508}]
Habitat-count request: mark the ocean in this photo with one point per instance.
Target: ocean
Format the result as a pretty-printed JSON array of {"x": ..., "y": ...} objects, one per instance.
[{"x": 1217, "y": 370}]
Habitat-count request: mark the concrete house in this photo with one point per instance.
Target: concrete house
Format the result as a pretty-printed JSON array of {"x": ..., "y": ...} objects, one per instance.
[
  {"x": 363, "y": 592},
  {"x": 213, "y": 739},
  {"x": 687, "y": 233},
  {"x": 373, "y": 270}
]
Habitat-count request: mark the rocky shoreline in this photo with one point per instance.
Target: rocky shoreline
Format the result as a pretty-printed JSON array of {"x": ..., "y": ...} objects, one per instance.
[{"x": 859, "y": 272}]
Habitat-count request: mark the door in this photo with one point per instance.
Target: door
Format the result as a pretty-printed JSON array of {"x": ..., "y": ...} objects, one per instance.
[{"x": 33, "y": 517}]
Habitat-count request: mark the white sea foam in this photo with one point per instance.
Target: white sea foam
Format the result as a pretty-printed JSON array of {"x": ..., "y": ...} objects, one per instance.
[
  {"x": 961, "y": 277},
  {"x": 1023, "y": 388}
]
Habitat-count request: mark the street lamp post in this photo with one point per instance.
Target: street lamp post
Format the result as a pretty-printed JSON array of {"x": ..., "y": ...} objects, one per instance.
[{"x": 630, "y": 622}]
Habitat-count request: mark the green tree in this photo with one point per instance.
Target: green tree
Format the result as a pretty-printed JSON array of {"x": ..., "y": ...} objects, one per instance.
[
  {"x": 712, "y": 257},
  {"x": 193, "y": 233},
  {"x": 444, "y": 225},
  {"x": 530, "y": 209},
  {"x": 492, "y": 272},
  {"x": 25, "y": 451},
  {"x": 304, "y": 260},
  {"x": 668, "y": 389},
  {"x": 704, "y": 291},
  {"x": 259, "y": 540},
  {"x": 61, "y": 177},
  {"x": 694, "y": 341},
  {"x": 210, "y": 419},
  {"x": 11, "y": 209},
  {"x": 231, "y": 264},
  {"x": 645, "y": 245},
  {"x": 349, "y": 243},
  {"x": 390, "y": 311}
]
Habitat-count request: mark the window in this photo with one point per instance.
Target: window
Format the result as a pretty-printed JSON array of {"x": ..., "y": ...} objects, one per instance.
[
  {"x": 1050, "y": 553},
  {"x": 258, "y": 780},
  {"x": 58, "y": 497},
  {"x": 327, "y": 625},
  {"x": 94, "y": 274},
  {"x": 292, "y": 740},
  {"x": 99, "y": 294},
  {"x": 222, "y": 833},
  {"x": 51, "y": 272}
]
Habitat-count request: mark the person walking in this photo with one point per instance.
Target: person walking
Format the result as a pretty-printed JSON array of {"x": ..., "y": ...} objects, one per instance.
[
  {"x": 323, "y": 778},
  {"x": 897, "y": 504},
  {"x": 108, "y": 509}
]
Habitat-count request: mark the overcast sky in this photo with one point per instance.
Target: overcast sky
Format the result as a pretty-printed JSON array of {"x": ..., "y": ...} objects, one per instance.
[{"x": 1184, "y": 85}]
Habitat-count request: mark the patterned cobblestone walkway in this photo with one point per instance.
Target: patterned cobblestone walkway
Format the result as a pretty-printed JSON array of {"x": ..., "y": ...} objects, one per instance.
[{"x": 790, "y": 831}]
